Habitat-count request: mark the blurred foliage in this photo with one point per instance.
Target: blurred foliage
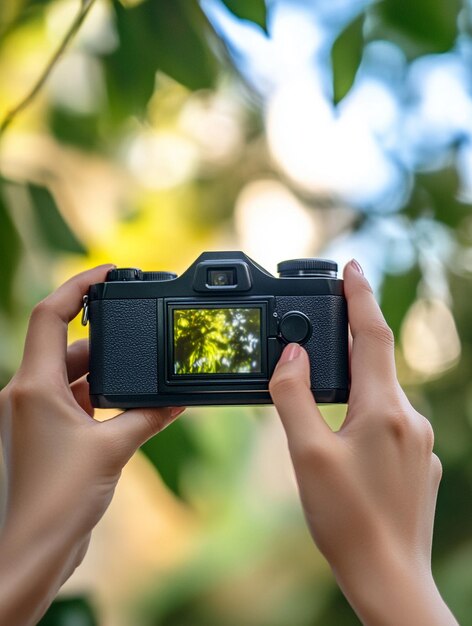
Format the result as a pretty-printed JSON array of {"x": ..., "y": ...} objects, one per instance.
[
  {"x": 50, "y": 224},
  {"x": 171, "y": 453},
  {"x": 173, "y": 37},
  {"x": 418, "y": 28},
  {"x": 82, "y": 192},
  {"x": 10, "y": 246},
  {"x": 69, "y": 612},
  {"x": 426, "y": 26},
  {"x": 437, "y": 194}
]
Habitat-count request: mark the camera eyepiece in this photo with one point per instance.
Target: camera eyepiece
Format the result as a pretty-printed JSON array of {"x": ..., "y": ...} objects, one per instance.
[
  {"x": 307, "y": 267},
  {"x": 221, "y": 277}
]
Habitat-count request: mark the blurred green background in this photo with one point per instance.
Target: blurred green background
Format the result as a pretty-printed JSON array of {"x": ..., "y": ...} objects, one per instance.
[{"x": 284, "y": 129}]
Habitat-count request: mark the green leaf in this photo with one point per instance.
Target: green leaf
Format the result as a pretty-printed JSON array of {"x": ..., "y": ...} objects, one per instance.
[
  {"x": 10, "y": 247},
  {"x": 131, "y": 69},
  {"x": 453, "y": 510},
  {"x": 170, "y": 452},
  {"x": 430, "y": 25},
  {"x": 346, "y": 56},
  {"x": 182, "y": 40},
  {"x": 443, "y": 187},
  {"x": 173, "y": 37},
  {"x": 398, "y": 294},
  {"x": 76, "y": 611},
  {"x": 74, "y": 128},
  {"x": 53, "y": 229},
  {"x": 437, "y": 194},
  {"x": 252, "y": 10}
]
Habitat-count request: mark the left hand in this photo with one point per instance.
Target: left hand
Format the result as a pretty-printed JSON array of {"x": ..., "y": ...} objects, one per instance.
[{"x": 62, "y": 466}]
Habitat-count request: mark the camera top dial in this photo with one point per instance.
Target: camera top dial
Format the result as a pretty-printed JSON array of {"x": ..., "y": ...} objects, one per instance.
[
  {"x": 127, "y": 274},
  {"x": 124, "y": 274},
  {"x": 307, "y": 267}
]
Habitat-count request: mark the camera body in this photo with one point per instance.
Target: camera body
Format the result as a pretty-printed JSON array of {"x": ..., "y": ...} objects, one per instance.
[{"x": 213, "y": 335}]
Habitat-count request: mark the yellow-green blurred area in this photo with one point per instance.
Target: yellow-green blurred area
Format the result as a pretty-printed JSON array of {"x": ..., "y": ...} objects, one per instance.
[{"x": 285, "y": 129}]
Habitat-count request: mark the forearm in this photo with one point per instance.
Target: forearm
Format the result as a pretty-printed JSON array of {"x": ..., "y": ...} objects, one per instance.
[
  {"x": 391, "y": 594},
  {"x": 32, "y": 569}
]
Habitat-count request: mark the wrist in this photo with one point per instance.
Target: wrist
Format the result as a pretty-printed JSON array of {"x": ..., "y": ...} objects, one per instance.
[
  {"x": 34, "y": 564},
  {"x": 391, "y": 591}
]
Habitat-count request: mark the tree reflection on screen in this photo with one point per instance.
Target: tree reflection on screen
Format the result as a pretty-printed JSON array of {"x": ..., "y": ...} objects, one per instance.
[{"x": 217, "y": 341}]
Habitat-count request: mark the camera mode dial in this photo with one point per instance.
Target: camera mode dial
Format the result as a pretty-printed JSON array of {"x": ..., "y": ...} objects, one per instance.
[
  {"x": 307, "y": 267},
  {"x": 124, "y": 274}
]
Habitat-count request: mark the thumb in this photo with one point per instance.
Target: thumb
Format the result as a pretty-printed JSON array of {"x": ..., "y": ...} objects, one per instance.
[
  {"x": 135, "y": 426},
  {"x": 291, "y": 393}
]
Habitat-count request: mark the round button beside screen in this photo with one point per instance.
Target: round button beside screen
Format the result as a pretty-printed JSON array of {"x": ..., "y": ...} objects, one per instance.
[{"x": 295, "y": 327}]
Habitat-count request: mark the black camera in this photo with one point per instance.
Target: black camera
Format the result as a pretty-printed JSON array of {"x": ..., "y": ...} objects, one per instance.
[{"x": 214, "y": 334}]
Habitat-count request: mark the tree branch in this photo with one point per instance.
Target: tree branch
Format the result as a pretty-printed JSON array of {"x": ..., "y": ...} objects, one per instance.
[{"x": 85, "y": 6}]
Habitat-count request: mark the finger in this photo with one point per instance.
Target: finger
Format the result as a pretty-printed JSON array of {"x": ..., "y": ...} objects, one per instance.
[
  {"x": 80, "y": 391},
  {"x": 349, "y": 347},
  {"x": 290, "y": 391},
  {"x": 135, "y": 426},
  {"x": 77, "y": 359},
  {"x": 372, "y": 355},
  {"x": 46, "y": 339}
]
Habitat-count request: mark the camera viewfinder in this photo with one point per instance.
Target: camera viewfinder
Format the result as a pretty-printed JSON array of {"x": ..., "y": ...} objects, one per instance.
[{"x": 221, "y": 277}]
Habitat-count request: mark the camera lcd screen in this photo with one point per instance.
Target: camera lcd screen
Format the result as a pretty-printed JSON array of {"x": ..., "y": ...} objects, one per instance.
[{"x": 217, "y": 341}]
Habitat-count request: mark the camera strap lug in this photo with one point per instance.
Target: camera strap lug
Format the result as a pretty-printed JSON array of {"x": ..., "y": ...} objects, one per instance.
[{"x": 85, "y": 310}]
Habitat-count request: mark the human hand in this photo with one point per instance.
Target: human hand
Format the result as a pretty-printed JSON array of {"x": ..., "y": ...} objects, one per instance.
[
  {"x": 369, "y": 490},
  {"x": 61, "y": 465}
]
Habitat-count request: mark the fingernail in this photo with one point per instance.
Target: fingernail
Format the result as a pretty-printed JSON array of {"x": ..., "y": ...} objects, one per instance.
[
  {"x": 108, "y": 266},
  {"x": 291, "y": 352},
  {"x": 355, "y": 265},
  {"x": 176, "y": 410}
]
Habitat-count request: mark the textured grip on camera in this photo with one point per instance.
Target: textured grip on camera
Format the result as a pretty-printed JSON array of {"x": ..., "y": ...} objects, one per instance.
[
  {"x": 123, "y": 346},
  {"x": 328, "y": 344}
]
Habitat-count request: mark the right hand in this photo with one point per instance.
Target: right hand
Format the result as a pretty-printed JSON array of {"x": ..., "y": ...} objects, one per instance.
[{"x": 369, "y": 490}]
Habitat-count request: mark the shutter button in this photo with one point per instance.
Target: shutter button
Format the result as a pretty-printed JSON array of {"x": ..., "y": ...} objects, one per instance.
[{"x": 295, "y": 327}]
